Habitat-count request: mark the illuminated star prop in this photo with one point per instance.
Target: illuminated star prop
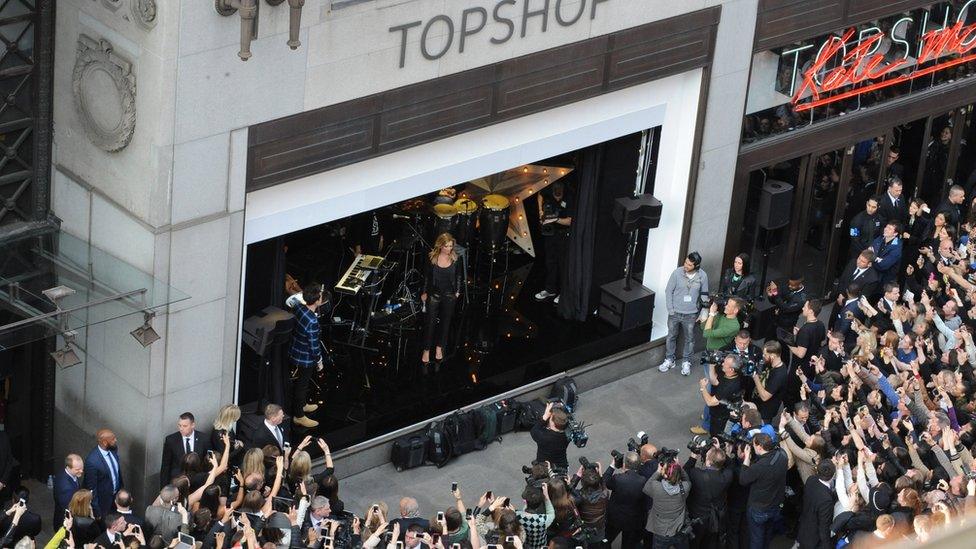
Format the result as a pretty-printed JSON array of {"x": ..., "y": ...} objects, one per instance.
[{"x": 517, "y": 185}]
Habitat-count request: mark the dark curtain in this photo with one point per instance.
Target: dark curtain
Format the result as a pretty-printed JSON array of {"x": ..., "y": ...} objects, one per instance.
[{"x": 576, "y": 280}]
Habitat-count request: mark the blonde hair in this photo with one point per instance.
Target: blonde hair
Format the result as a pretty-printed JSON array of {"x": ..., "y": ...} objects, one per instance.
[
  {"x": 80, "y": 504},
  {"x": 227, "y": 417},
  {"x": 442, "y": 241},
  {"x": 376, "y": 519},
  {"x": 301, "y": 464},
  {"x": 253, "y": 463}
]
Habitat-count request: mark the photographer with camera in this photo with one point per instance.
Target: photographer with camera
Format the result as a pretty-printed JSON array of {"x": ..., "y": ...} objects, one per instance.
[
  {"x": 591, "y": 497},
  {"x": 708, "y": 495},
  {"x": 765, "y": 475},
  {"x": 721, "y": 391},
  {"x": 669, "y": 489},
  {"x": 626, "y": 509},
  {"x": 550, "y": 437},
  {"x": 751, "y": 424}
]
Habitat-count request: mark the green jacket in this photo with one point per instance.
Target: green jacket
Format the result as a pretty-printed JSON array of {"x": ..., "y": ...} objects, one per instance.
[{"x": 721, "y": 333}]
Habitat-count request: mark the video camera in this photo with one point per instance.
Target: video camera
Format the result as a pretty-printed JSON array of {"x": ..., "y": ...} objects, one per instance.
[
  {"x": 575, "y": 429},
  {"x": 748, "y": 364}
]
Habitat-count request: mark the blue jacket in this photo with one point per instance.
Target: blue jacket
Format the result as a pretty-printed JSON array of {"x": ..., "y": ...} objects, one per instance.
[
  {"x": 65, "y": 486},
  {"x": 98, "y": 479},
  {"x": 887, "y": 258}
]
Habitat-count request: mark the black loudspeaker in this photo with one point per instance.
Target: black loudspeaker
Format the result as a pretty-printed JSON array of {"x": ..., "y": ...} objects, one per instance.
[
  {"x": 775, "y": 204},
  {"x": 637, "y": 212},
  {"x": 271, "y": 326},
  {"x": 626, "y": 309}
]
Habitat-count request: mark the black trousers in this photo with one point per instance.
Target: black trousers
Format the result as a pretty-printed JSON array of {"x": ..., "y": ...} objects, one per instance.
[
  {"x": 440, "y": 310},
  {"x": 300, "y": 390},
  {"x": 557, "y": 246}
]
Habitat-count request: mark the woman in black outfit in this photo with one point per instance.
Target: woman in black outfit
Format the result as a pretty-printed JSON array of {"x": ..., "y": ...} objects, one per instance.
[
  {"x": 738, "y": 282},
  {"x": 442, "y": 284}
]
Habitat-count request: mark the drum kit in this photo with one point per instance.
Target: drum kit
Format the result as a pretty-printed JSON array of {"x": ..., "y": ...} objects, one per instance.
[{"x": 471, "y": 222}]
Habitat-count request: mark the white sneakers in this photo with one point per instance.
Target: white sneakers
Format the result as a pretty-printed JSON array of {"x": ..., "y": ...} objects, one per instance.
[
  {"x": 544, "y": 295},
  {"x": 668, "y": 364}
]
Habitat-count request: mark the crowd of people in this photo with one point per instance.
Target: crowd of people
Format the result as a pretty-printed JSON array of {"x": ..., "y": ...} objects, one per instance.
[{"x": 852, "y": 422}]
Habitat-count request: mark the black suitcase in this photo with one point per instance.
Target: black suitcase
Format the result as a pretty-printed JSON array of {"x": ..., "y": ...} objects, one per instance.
[
  {"x": 565, "y": 389},
  {"x": 507, "y": 417},
  {"x": 409, "y": 452}
]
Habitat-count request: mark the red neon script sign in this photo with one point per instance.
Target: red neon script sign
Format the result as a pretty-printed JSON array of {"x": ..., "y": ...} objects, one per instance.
[{"x": 862, "y": 70}]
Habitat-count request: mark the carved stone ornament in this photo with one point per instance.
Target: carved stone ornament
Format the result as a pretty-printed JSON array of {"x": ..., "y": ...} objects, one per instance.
[
  {"x": 112, "y": 4},
  {"x": 105, "y": 94},
  {"x": 144, "y": 12}
]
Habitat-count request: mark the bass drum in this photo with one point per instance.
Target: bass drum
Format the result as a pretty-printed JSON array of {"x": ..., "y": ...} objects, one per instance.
[
  {"x": 493, "y": 221},
  {"x": 444, "y": 221},
  {"x": 467, "y": 212}
]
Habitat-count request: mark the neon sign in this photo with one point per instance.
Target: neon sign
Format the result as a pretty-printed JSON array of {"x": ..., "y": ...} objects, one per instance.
[{"x": 862, "y": 69}]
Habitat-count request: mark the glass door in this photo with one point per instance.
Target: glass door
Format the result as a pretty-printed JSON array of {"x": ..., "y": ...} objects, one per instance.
[{"x": 814, "y": 235}]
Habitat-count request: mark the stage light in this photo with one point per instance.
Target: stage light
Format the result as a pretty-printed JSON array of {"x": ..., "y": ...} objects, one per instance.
[
  {"x": 145, "y": 334},
  {"x": 66, "y": 357},
  {"x": 525, "y": 169},
  {"x": 545, "y": 170}
]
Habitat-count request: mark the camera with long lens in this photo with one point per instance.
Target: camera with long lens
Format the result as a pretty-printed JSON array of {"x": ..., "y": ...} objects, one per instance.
[
  {"x": 618, "y": 458},
  {"x": 666, "y": 455},
  {"x": 699, "y": 444},
  {"x": 634, "y": 443},
  {"x": 735, "y": 407}
]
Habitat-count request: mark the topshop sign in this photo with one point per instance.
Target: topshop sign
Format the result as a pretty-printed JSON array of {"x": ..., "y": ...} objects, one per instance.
[{"x": 442, "y": 33}]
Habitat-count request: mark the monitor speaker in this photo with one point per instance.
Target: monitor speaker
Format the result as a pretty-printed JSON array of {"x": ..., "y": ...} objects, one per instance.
[
  {"x": 272, "y": 326},
  {"x": 775, "y": 204},
  {"x": 637, "y": 212}
]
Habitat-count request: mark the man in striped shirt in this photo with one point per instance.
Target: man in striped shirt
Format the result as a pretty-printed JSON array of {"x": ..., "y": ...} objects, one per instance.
[{"x": 305, "y": 352}]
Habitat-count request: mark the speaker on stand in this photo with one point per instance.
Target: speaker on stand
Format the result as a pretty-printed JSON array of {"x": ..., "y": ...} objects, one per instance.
[
  {"x": 622, "y": 304},
  {"x": 267, "y": 333},
  {"x": 775, "y": 210}
]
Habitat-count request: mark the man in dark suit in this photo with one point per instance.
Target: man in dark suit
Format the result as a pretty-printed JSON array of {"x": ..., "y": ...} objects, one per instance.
[
  {"x": 789, "y": 303},
  {"x": 66, "y": 482},
  {"x": 887, "y": 251},
  {"x": 123, "y": 504},
  {"x": 891, "y": 204},
  {"x": 114, "y": 526},
  {"x": 952, "y": 207},
  {"x": 864, "y": 227},
  {"x": 177, "y": 445},
  {"x": 409, "y": 515},
  {"x": 844, "y": 323},
  {"x": 103, "y": 472},
  {"x": 625, "y": 510},
  {"x": 859, "y": 270},
  {"x": 29, "y": 524},
  {"x": 270, "y": 431},
  {"x": 813, "y": 531}
]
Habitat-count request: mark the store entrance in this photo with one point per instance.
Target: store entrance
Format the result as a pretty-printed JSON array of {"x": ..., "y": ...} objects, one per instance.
[{"x": 830, "y": 187}]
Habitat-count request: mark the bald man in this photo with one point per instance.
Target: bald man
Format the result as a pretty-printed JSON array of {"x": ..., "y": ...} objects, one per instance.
[
  {"x": 103, "y": 472},
  {"x": 409, "y": 515},
  {"x": 66, "y": 482}
]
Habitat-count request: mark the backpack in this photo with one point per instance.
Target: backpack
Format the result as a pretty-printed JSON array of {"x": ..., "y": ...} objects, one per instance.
[
  {"x": 487, "y": 417},
  {"x": 531, "y": 413},
  {"x": 409, "y": 451},
  {"x": 565, "y": 389},
  {"x": 438, "y": 444},
  {"x": 462, "y": 432}
]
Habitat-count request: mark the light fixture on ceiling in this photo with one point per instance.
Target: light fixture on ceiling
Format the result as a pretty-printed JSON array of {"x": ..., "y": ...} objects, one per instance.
[
  {"x": 66, "y": 357},
  {"x": 145, "y": 334}
]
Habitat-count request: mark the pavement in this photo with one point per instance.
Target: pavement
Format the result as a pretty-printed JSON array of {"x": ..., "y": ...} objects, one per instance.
[{"x": 664, "y": 405}]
